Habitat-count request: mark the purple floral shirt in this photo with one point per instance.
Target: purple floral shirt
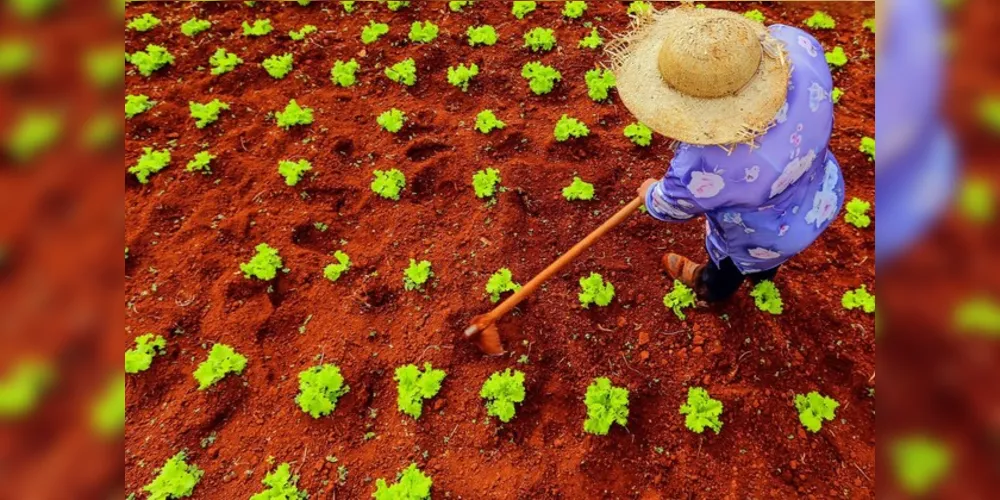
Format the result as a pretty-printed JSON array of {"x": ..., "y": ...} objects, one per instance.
[{"x": 764, "y": 204}]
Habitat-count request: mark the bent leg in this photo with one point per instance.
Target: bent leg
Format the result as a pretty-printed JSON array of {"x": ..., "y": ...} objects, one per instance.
[{"x": 719, "y": 282}]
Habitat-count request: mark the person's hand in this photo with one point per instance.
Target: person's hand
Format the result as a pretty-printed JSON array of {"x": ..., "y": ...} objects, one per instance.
[{"x": 644, "y": 189}]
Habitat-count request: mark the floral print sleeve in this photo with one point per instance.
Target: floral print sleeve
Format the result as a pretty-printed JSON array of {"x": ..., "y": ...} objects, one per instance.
[{"x": 686, "y": 190}]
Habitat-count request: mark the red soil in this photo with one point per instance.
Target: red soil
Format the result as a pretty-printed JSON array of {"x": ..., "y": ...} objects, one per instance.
[{"x": 188, "y": 233}]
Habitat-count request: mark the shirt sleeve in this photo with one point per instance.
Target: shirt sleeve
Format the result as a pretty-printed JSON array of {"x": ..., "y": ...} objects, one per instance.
[{"x": 687, "y": 189}]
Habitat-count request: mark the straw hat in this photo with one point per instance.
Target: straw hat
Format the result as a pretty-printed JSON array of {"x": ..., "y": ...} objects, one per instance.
[{"x": 702, "y": 76}]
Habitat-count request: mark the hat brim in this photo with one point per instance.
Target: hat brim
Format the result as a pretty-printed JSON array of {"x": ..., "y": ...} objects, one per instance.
[{"x": 732, "y": 119}]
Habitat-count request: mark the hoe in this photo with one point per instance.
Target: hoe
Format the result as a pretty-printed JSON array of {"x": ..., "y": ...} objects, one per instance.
[{"x": 483, "y": 329}]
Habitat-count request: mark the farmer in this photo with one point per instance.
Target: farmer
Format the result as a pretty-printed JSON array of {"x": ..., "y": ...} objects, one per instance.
[{"x": 750, "y": 109}]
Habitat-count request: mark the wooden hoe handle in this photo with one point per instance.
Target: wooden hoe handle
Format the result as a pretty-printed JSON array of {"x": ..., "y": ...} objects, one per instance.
[{"x": 564, "y": 260}]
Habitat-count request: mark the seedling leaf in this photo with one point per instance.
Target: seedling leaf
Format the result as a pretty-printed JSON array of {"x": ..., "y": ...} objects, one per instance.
[
  {"x": 702, "y": 411},
  {"x": 814, "y": 409},
  {"x": 501, "y": 392}
]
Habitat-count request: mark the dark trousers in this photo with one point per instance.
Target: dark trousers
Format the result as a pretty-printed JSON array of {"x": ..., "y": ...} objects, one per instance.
[{"x": 718, "y": 283}]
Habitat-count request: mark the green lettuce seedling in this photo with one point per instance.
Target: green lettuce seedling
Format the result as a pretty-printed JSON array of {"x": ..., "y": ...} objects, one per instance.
[
  {"x": 836, "y": 94},
  {"x": 423, "y": 32},
  {"x": 320, "y": 387},
  {"x": 348, "y": 6},
  {"x": 206, "y": 114},
  {"x": 521, "y": 9},
  {"x": 501, "y": 392},
  {"x": 976, "y": 199},
  {"x": 754, "y": 15},
  {"x": 540, "y": 78},
  {"x": 260, "y": 27},
  {"x": 302, "y": 33},
  {"x": 814, "y": 409},
  {"x": 278, "y": 66},
  {"x": 868, "y": 147},
  {"x": 392, "y": 120},
  {"x": 395, "y": 5},
  {"x": 767, "y": 297},
  {"x": 222, "y": 360},
  {"x": 151, "y": 60},
  {"x": 22, "y": 388},
  {"x": 411, "y": 485},
  {"x": 869, "y": 24},
  {"x": 501, "y": 282},
  {"x": 143, "y": 23},
  {"x": 343, "y": 73},
  {"x": 540, "y": 40},
  {"x": 821, "y": 21},
  {"x": 292, "y": 170},
  {"x": 264, "y": 265},
  {"x": 859, "y": 299},
  {"x": 482, "y": 35},
  {"x": 487, "y": 121},
  {"x": 415, "y": 386},
  {"x": 16, "y": 56},
  {"x": 103, "y": 66},
  {"x": 920, "y": 464},
  {"x": 107, "y": 414},
  {"x": 417, "y": 274},
  {"x": 461, "y": 75},
  {"x": 201, "y": 162},
  {"x": 567, "y": 128},
  {"x": 599, "y": 83},
  {"x": 334, "y": 271},
  {"x": 176, "y": 479},
  {"x": 388, "y": 184},
  {"x": 574, "y": 10},
  {"x": 595, "y": 291},
  {"x": 578, "y": 190},
  {"x": 194, "y": 26},
  {"x": 146, "y": 348},
  {"x": 978, "y": 315},
  {"x": 33, "y": 133},
  {"x": 224, "y": 61},
  {"x": 137, "y": 104},
  {"x": 294, "y": 115},
  {"x": 303, "y": 3},
  {"x": 404, "y": 72},
  {"x": 371, "y": 33},
  {"x": 606, "y": 405},
  {"x": 679, "y": 298},
  {"x": 837, "y": 57},
  {"x": 639, "y": 134},
  {"x": 281, "y": 484},
  {"x": 150, "y": 163},
  {"x": 702, "y": 411},
  {"x": 640, "y": 8},
  {"x": 857, "y": 213},
  {"x": 459, "y": 5},
  {"x": 484, "y": 182},
  {"x": 592, "y": 41}
]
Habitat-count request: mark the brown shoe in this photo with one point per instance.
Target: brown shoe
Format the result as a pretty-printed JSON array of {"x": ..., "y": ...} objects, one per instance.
[{"x": 683, "y": 269}]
